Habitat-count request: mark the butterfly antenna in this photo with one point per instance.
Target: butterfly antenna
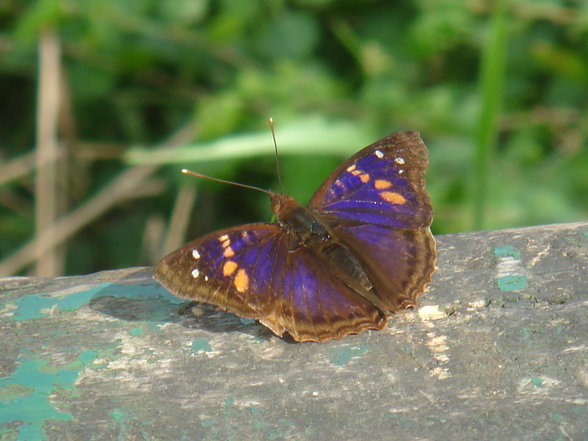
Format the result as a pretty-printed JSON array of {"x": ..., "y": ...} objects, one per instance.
[
  {"x": 210, "y": 178},
  {"x": 272, "y": 128}
]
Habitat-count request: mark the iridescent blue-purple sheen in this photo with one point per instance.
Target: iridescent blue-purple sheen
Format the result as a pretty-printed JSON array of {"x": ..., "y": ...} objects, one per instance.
[
  {"x": 348, "y": 197},
  {"x": 392, "y": 253},
  {"x": 297, "y": 279},
  {"x": 374, "y": 205}
]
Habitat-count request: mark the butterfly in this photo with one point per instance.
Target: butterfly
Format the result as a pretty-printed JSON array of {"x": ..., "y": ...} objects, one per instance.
[{"x": 358, "y": 252}]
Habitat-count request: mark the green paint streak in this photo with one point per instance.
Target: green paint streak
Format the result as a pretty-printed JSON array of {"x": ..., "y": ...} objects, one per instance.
[
  {"x": 120, "y": 418},
  {"x": 201, "y": 344},
  {"x": 342, "y": 355},
  {"x": 87, "y": 357},
  {"x": 117, "y": 415},
  {"x": 136, "y": 332},
  {"x": 257, "y": 418},
  {"x": 229, "y": 402},
  {"x": 35, "y": 408},
  {"x": 585, "y": 234},
  {"x": 31, "y": 306},
  {"x": 537, "y": 382},
  {"x": 511, "y": 283},
  {"x": 505, "y": 251},
  {"x": 40, "y": 382},
  {"x": 246, "y": 321}
]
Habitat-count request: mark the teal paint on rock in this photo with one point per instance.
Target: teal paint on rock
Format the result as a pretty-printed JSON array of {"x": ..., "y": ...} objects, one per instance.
[
  {"x": 149, "y": 304},
  {"x": 39, "y": 381},
  {"x": 117, "y": 415},
  {"x": 32, "y": 305},
  {"x": 505, "y": 251},
  {"x": 88, "y": 357},
  {"x": 136, "y": 332},
  {"x": 512, "y": 283},
  {"x": 341, "y": 356},
  {"x": 201, "y": 344}
]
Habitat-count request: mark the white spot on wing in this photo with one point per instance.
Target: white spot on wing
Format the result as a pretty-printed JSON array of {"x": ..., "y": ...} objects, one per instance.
[
  {"x": 379, "y": 154},
  {"x": 206, "y": 278},
  {"x": 399, "y": 160},
  {"x": 196, "y": 254},
  {"x": 195, "y": 273}
]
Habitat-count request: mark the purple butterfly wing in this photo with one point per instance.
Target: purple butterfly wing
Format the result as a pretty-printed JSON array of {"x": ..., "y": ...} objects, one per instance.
[
  {"x": 377, "y": 205},
  {"x": 207, "y": 269},
  {"x": 383, "y": 184},
  {"x": 258, "y": 271}
]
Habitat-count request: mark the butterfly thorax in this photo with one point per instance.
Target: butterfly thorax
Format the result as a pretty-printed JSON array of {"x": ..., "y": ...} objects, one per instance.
[{"x": 299, "y": 220}]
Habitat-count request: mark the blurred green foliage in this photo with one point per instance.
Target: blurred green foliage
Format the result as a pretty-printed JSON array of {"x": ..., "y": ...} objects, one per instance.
[{"x": 137, "y": 71}]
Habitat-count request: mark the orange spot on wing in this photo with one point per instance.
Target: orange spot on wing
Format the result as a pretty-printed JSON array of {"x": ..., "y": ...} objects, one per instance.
[
  {"x": 241, "y": 281},
  {"x": 382, "y": 184},
  {"x": 364, "y": 178},
  {"x": 356, "y": 172},
  {"x": 393, "y": 197},
  {"x": 351, "y": 168},
  {"x": 229, "y": 252},
  {"x": 229, "y": 268},
  {"x": 223, "y": 238}
]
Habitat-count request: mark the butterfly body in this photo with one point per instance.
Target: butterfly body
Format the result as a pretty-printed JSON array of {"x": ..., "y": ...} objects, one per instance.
[{"x": 359, "y": 251}]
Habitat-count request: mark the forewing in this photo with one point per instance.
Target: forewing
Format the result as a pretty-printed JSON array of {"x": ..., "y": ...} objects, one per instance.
[
  {"x": 377, "y": 205},
  {"x": 383, "y": 184},
  {"x": 230, "y": 268},
  {"x": 259, "y": 271}
]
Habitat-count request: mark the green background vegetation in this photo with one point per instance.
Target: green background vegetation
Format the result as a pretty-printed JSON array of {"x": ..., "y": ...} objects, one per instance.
[{"x": 498, "y": 90}]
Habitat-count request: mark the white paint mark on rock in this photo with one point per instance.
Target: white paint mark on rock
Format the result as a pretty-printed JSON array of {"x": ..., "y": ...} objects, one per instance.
[{"x": 431, "y": 312}]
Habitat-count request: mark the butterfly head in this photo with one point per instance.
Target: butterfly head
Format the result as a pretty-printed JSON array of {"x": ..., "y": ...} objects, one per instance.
[
  {"x": 283, "y": 205},
  {"x": 301, "y": 221}
]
